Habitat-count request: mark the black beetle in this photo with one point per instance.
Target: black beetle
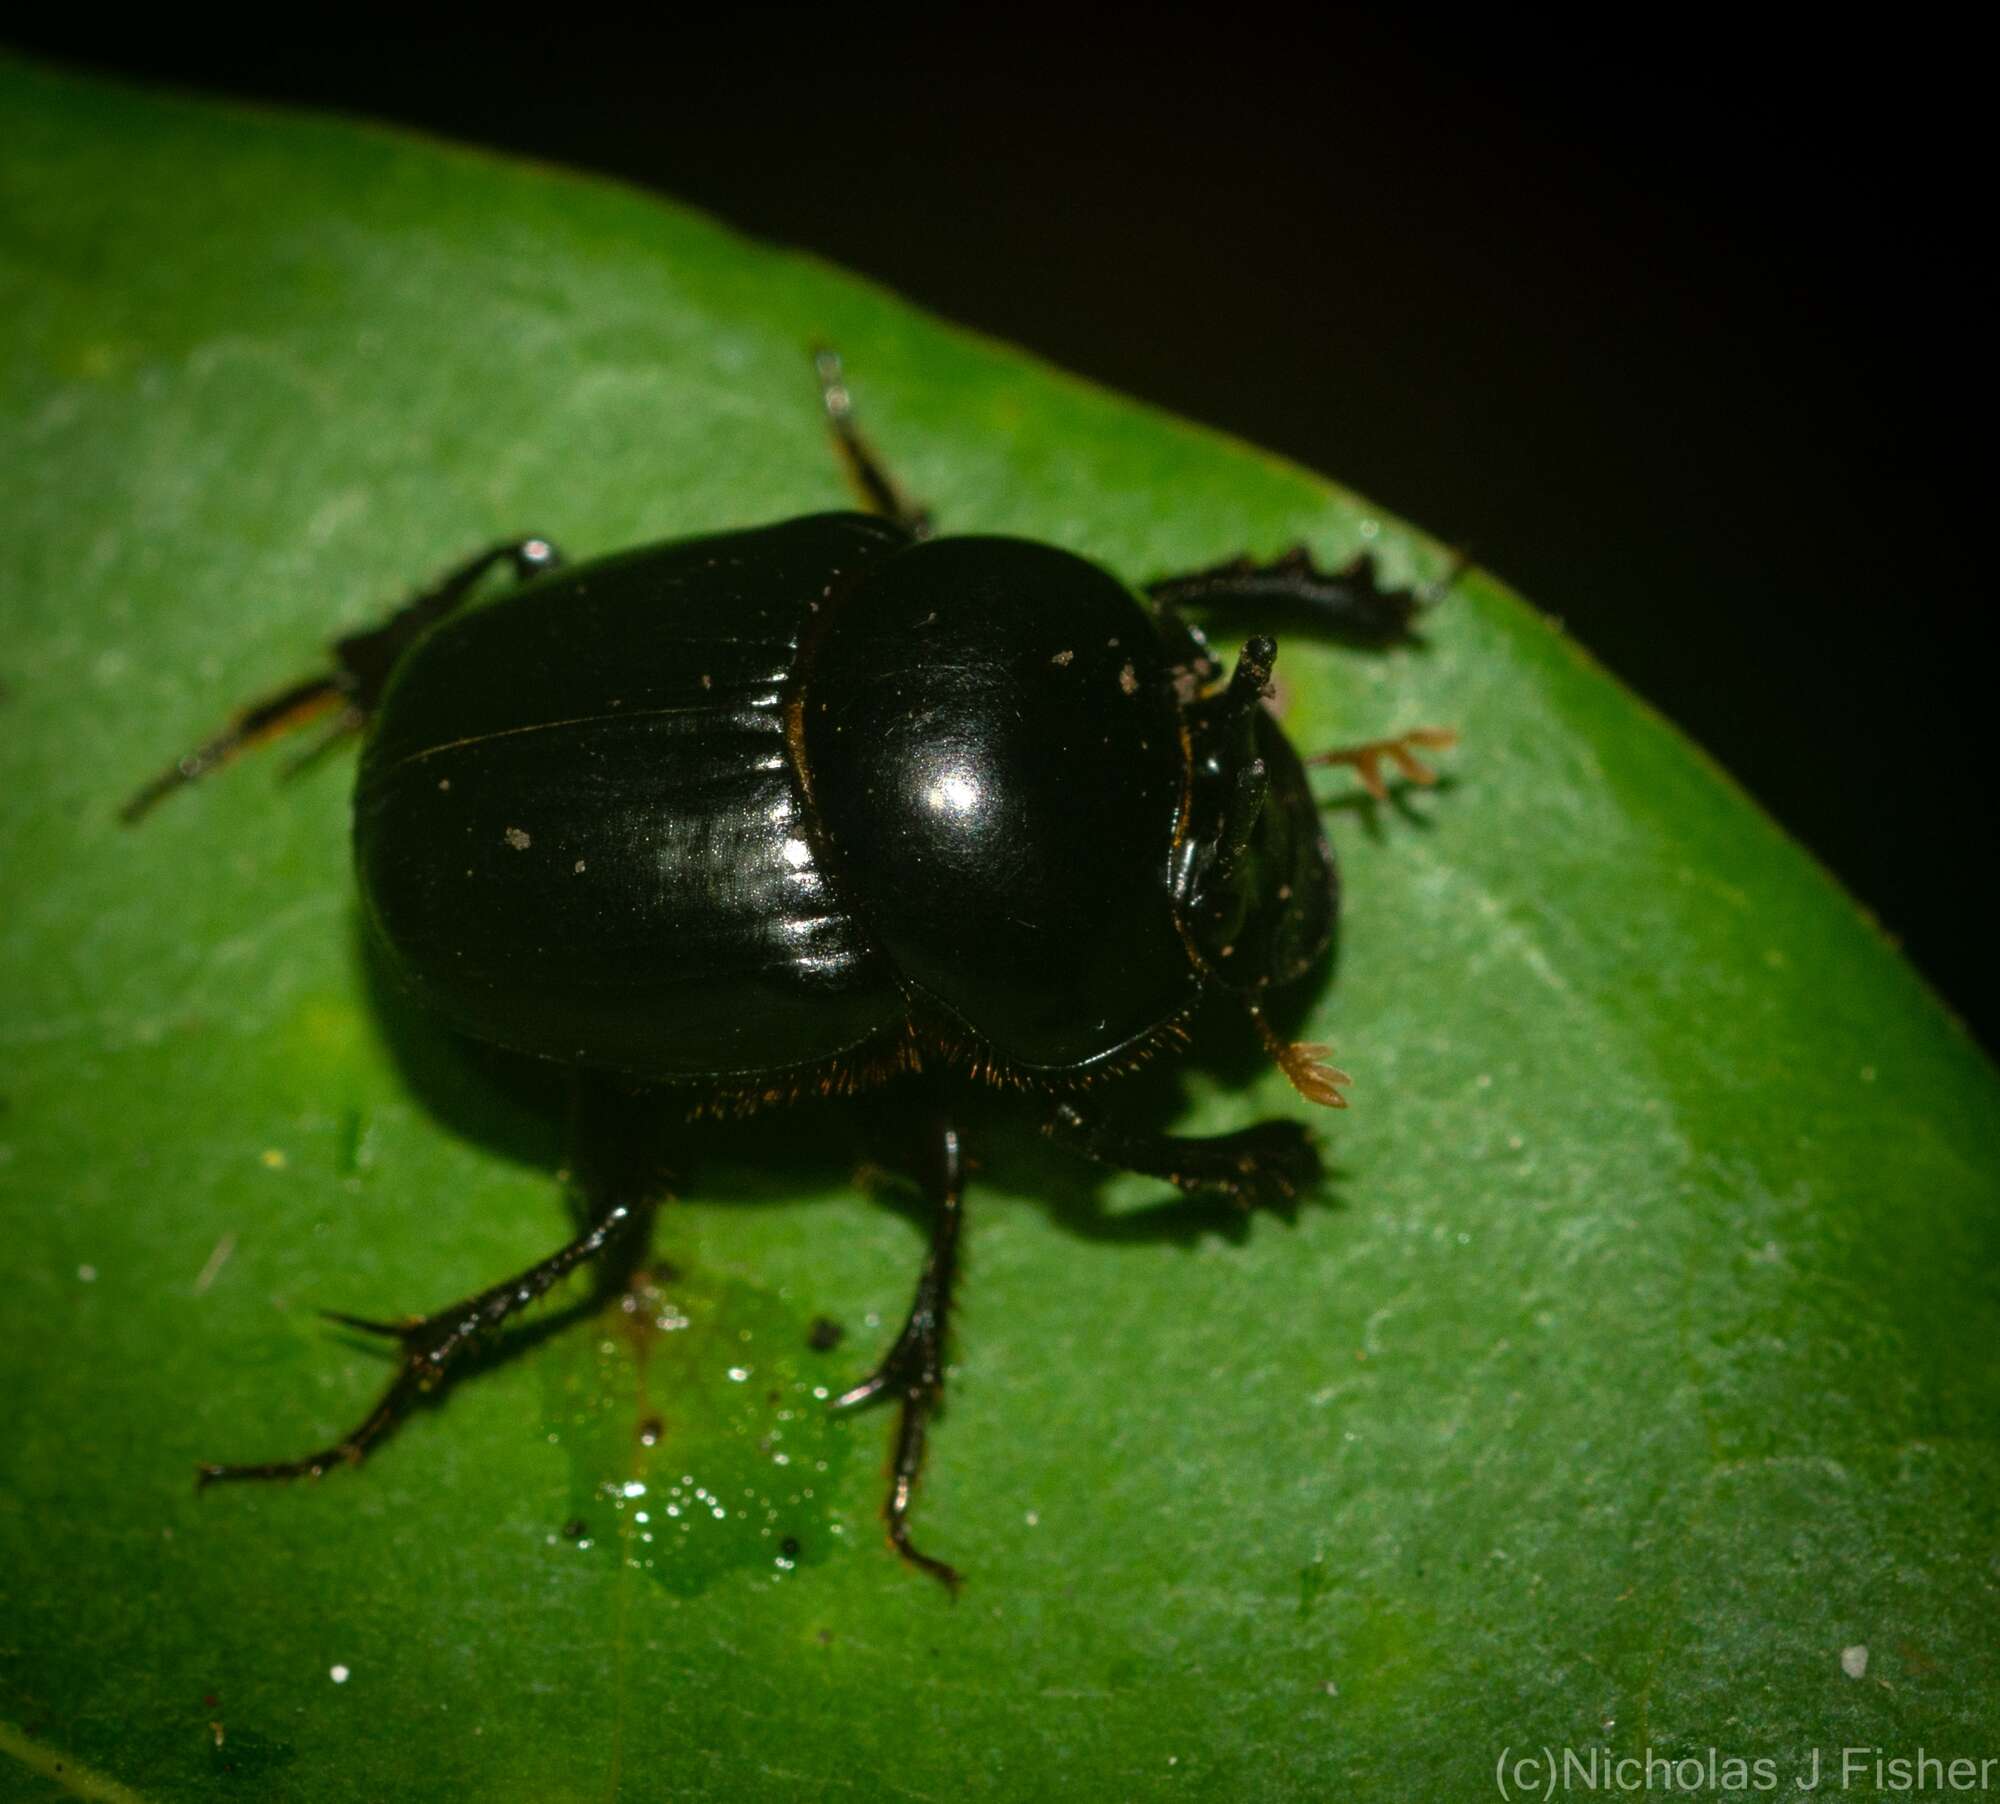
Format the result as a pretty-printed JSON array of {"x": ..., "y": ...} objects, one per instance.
[{"x": 810, "y": 808}]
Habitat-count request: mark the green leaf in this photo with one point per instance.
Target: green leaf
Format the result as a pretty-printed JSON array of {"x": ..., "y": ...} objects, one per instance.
[{"x": 1638, "y": 1365}]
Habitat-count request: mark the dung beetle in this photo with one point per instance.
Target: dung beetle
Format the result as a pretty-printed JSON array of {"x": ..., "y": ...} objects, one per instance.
[{"x": 821, "y": 806}]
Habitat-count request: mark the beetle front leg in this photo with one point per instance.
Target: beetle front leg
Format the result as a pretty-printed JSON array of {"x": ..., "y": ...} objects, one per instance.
[
  {"x": 913, "y": 1370},
  {"x": 1262, "y": 1167},
  {"x": 346, "y": 694},
  {"x": 1349, "y": 604},
  {"x": 1368, "y": 758}
]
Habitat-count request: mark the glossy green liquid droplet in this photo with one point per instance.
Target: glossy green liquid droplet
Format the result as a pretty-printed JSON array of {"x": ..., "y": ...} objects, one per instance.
[{"x": 694, "y": 1413}]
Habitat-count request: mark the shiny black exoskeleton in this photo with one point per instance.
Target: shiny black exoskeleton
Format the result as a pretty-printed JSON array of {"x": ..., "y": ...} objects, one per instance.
[{"x": 806, "y": 808}]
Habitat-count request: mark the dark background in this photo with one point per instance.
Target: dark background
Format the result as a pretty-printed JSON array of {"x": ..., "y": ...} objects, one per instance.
[{"x": 1675, "y": 327}]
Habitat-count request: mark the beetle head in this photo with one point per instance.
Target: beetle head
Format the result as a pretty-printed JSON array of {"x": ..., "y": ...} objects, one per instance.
[{"x": 1254, "y": 883}]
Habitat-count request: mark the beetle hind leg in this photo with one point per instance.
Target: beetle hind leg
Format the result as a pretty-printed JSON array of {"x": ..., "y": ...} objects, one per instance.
[
  {"x": 277, "y": 714},
  {"x": 912, "y": 1371},
  {"x": 349, "y": 691},
  {"x": 435, "y": 1347}
]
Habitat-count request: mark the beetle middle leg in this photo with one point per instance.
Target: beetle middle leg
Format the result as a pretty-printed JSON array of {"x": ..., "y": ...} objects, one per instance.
[
  {"x": 346, "y": 694},
  {"x": 913, "y": 1369},
  {"x": 1262, "y": 1167}
]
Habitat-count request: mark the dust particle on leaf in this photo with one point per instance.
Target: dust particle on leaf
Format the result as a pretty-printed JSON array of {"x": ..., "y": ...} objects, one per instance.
[{"x": 825, "y": 1334}]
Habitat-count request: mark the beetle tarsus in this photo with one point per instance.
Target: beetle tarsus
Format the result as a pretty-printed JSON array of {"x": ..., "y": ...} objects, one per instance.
[
  {"x": 880, "y": 493},
  {"x": 913, "y": 1373},
  {"x": 348, "y": 1452},
  {"x": 268, "y": 719},
  {"x": 912, "y": 1425}
]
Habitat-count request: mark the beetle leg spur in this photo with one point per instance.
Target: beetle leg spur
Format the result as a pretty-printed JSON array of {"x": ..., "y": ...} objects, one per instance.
[
  {"x": 349, "y": 691},
  {"x": 1262, "y": 1167},
  {"x": 912, "y": 1371}
]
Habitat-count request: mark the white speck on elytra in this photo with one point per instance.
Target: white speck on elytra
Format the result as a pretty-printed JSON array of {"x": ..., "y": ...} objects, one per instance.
[
  {"x": 579, "y": 867},
  {"x": 1062, "y": 659},
  {"x": 1128, "y": 678},
  {"x": 517, "y": 839}
]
